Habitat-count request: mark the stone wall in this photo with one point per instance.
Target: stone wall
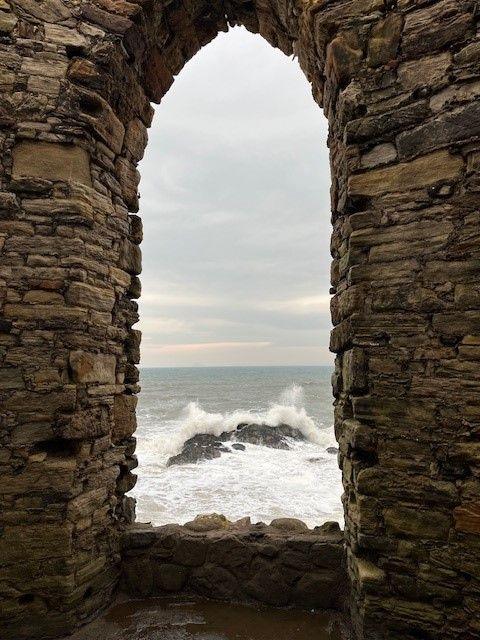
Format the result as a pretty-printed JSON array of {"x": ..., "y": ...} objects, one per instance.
[
  {"x": 399, "y": 81},
  {"x": 271, "y": 565}
]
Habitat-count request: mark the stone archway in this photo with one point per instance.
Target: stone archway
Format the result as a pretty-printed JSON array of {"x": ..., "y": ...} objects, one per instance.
[{"x": 398, "y": 80}]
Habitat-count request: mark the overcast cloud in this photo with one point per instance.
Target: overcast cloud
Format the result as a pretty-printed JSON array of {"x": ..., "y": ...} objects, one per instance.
[{"x": 235, "y": 204}]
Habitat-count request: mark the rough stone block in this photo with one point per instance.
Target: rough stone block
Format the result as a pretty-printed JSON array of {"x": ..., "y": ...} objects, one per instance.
[
  {"x": 80, "y": 294},
  {"x": 64, "y": 35},
  {"x": 384, "y": 40},
  {"x": 316, "y": 590},
  {"x": 434, "y": 26},
  {"x": 125, "y": 421},
  {"x": 92, "y": 367},
  {"x": 342, "y": 60},
  {"x": 103, "y": 120},
  {"x": 88, "y": 423},
  {"x": 354, "y": 371},
  {"x": 467, "y": 518},
  {"x": 430, "y": 71},
  {"x": 136, "y": 138},
  {"x": 190, "y": 552},
  {"x": 51, "y": 161},
  {"x": 130, "y": 259},
  {"x": 37, "y": 542},
  {"x": 169, "y": 577},
  {"x": 461, "y": 124},
  {"x": 42, "y": 404},
  {"x": 213, "y": 581},
  {"x": 8, "y": 22},
  {"x": 418, "y": 174},
  {"x": 11, "y": 378},
  {"x": 380, "y": 154},
  {"x": 416, "y": 523},
  {"x": 129, "y": 178},
  {"x": 50, "y": 11}
]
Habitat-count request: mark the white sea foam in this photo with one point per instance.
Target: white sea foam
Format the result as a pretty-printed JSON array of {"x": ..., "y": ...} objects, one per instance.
[
  {"x": 287, "y": 410},
  {"x": 261, "y": 482}
]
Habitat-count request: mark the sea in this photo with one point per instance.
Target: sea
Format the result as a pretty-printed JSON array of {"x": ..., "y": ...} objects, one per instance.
[{"x": 176, "y": 403}]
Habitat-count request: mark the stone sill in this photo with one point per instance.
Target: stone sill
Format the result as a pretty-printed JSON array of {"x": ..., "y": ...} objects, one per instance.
[{"x": 239, "y": 562}]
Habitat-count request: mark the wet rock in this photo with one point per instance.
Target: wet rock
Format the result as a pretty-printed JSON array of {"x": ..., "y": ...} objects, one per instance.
[
  {"x": 208, "y": 522},
  {"x": 288, "y": 524},
  {"x": 203, "y": 446},
  {"x": 243, "y": 523},
  {"x": 329, "y": 527},
  {"x": 332, "y": 450},
  {"x": 214, "y": 582},
  {"x": 263, "y": 434},
  {"x": 169, "y": 577}
]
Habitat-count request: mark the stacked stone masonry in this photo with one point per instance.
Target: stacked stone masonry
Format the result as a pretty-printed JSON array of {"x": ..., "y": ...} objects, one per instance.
[
  {"x": 243, "y": 563},
  {"x": 399, "y": 81}
]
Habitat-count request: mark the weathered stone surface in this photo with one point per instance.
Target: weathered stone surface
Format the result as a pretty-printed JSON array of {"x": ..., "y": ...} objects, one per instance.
[
  {"x": 125, "y": 421},
  {"x": 428, "y": 28},
  {"x": 64, "y": 35},
  {"x": 92, "y": 367},
  {"x": 129, "y": 177},
  {"x": 355, "y": 371},
  {"x": 36, "y": 541},
  {"x": 169, "y": 577},
  {"x": 417, "y": 174},
  {"x": 383, "y": 126},
  {"x": 447, "y": 129},
  {"x": 427, "y": 72},
  {"x": 80, "y": 294},
  {"x": 415, "y": 523},
  {"x": 51, "y": 161},
  {"x": 49, "y": 11},
  {"x": 130, "y": 258},
  {"x": 288, "y": 524},
  {"x": 380, "y": 154},
  {"x": 211, "y": 522},
  {"x": 102, "y": 118},
  {"x": 342, "y": 60},
  {"x": 384, "y": 40},
  {"x": 8, "y": 22},
  {"x": 467, "y": 518},
  {"x": 89, "y": 423},
  {"x": 136, "y": 138},
  {"x": 105, "y": 19}
]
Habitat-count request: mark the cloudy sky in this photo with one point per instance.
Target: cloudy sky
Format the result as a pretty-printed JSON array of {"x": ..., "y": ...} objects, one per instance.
[{"x": 235, "y": 205}]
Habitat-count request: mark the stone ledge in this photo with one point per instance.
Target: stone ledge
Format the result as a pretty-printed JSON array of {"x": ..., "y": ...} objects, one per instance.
[{"x": 240, "y": 562}]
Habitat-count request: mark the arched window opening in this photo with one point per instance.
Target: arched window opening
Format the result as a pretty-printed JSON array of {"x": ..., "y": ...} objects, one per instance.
[{"x": 235, "y": 304}]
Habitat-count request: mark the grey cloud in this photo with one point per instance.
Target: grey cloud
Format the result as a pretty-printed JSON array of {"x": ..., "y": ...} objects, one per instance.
[{"x": 235, "y": 203}]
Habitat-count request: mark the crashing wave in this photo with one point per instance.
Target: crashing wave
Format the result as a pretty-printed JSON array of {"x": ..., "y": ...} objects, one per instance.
[{"x": 288, "y": 410}]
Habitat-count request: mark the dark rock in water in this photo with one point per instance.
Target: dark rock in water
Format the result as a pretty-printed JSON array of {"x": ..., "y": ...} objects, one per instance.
[
  {"x": 314, "y": 460},
  {"x": 204, "y": 446},
  {"x": 332, "y": 450},
  {"x": 263, "y": 434}
]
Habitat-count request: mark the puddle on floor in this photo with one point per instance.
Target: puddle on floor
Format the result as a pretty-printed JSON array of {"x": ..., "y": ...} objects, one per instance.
[{"x": 175, "y": 619}]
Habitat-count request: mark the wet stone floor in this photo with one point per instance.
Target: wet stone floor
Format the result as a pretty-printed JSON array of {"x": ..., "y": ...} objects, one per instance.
[{"x": 174, "y": 619}]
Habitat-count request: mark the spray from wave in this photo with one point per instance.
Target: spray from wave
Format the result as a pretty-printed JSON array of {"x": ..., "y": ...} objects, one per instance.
[
  {"x": 288, "y": 410},
  {"x": 264, "y": 483}
]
